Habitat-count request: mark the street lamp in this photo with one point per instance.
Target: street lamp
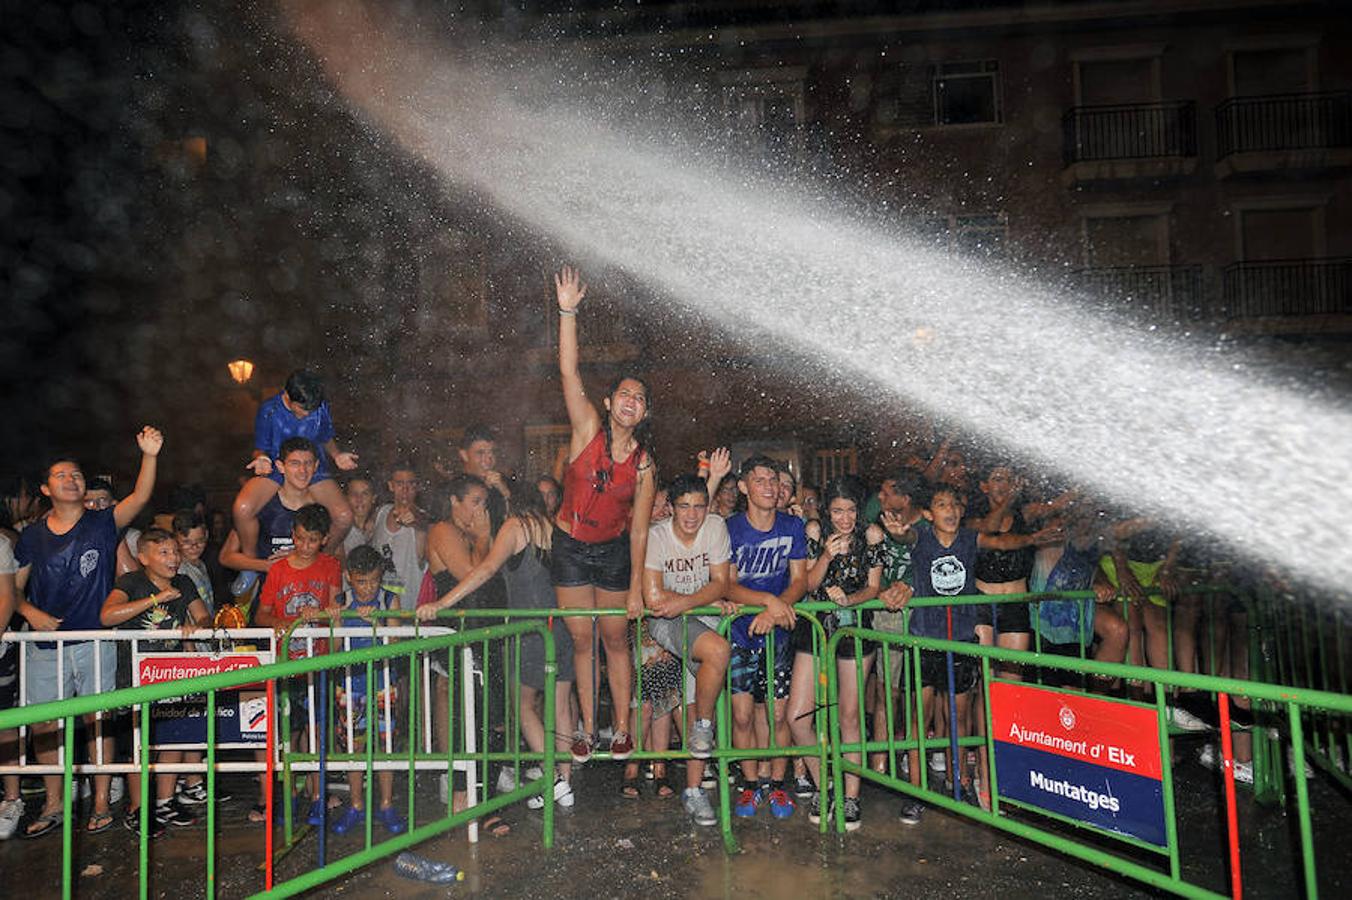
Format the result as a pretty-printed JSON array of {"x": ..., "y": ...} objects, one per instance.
[{"x": 241, "y": 370}]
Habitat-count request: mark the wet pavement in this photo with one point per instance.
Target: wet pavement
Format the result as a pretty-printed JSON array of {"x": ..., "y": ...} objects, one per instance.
[{"x": 608, "y": 846}]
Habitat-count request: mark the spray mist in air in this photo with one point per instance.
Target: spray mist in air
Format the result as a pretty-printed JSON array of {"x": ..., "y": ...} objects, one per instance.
[{"x": 1159, "y": 425}]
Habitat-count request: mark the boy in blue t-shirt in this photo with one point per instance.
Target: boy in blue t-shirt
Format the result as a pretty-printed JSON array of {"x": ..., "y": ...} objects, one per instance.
[
  {"x": 363, "y": 598},
  {"x": 943, "y": 564},
  {"x": 769, "y": 569},
  {"x": 298, "y": 411}
]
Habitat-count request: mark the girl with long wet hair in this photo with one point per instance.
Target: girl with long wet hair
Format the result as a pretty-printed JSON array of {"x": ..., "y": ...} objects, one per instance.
[{"x": 602, "y": 524}]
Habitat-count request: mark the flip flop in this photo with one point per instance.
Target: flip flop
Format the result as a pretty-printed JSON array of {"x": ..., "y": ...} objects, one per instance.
[
  {"x": 49, "y": 822},
  {"x": 663, "y": 786},
  {"x": 98, "y": 822},
  {"x": 629, "y": 789},
  {"x": 496, "y": 826}
]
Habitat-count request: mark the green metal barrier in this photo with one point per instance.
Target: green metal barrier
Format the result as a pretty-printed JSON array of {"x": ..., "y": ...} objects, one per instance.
[
  {"x": 141, "y": 698},
  {"x": 1296, "y": 703}
]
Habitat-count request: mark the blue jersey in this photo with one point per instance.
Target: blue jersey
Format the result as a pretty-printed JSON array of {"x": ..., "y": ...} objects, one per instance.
[
  {"x": 941, "y": 571},
  {"x": 275, "y": 423},
  {"x": 355, "y": 676},
  {"x": 762, "y": 561},
  {"x": 71, "y": 574},
  {"x": 274, "y": 528}
]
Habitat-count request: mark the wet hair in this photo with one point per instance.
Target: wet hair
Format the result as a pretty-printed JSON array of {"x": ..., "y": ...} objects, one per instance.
[
  {"x": 476, "y": 433},
  {"x": 402, "y": 465},
  {"x": 153, "y": 537},
  {"x": 924, "y": 497},
  {"x": 185, "y": 520},
  {"x": 990, "y": 466},
  {"x": 759, "y": 461},
  {"x": 528, "y": 505},
  {"x": 687, "y": 484},
  {"x": 292, "y": 444},
  {"x": 358, "y": 476},
  {"x": 187, "y": 496},
  {"x": 313, "y": 517},
  {"x": 93, "y": 484},
  {"x": 906, "y": 482},
  {"x": 305, "y": 389},
  {"x": 365, "y": 559},
  {"x": 56, "y": 460},
  {"x": 460, "y": 486},
  {"x": 643, "y": 431},
  {"x": 843, "y": 488}
]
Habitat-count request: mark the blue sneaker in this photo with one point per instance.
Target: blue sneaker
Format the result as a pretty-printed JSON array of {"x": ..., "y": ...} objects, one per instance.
[
  {"x": 748, "y": 801},
  {"x": 351, "y": 818},
  {"x": 316, "y": 814},
  {"x": 390, "y": 818},
  {"x": 781, "y": 804}
]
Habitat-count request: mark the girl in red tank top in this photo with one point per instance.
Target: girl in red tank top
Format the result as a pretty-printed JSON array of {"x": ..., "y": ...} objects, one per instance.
[{"x": 598, "y": 554}]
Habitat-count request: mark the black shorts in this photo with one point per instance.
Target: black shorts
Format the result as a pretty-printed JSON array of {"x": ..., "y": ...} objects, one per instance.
[
  {"x": 934, "y": 671},
  {"x": 574, "y": 563},
  {"x": 1008, "y": 618},
  {"x": 9, "y": 678}
]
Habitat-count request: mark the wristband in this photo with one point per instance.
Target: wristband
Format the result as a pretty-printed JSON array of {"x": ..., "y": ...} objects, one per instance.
[{"x": 567, "y": 312}]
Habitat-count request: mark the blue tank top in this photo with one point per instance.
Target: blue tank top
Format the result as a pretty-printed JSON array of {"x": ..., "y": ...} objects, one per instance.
[{"x": 274, "y": 528}]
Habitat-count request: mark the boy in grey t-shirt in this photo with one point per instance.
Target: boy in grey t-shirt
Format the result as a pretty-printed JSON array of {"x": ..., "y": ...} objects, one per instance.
[{"x": 687, "y": 566}]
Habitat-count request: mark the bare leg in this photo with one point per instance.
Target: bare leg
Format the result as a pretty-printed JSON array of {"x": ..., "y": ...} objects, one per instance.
[
  {"x": 619, "y": 665},
  {"x": 580, "y": 628},
  {"x": 802, "y": 703},
  {"x": 744, "y": 709},
  {"x": 328, "y": 494},
  {"x": 850, "y": 730},
  {"x": 252, "y": 497}
]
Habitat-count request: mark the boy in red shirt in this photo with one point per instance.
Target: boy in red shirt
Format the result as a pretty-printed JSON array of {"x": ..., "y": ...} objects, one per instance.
[{"x": 302, "y": 585}]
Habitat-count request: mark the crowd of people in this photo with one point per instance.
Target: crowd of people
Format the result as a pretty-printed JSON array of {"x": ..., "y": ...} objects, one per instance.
[{"x": 311, "y": 536}]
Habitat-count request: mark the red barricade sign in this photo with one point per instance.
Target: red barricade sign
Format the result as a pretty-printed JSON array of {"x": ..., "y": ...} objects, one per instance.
[
  {"x": 1090, "y": 759},
  {"x": 241, "y": 712}
]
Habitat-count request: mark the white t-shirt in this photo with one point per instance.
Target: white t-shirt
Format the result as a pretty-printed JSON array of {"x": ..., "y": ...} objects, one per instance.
[
  {"x": 400, "y": 550},
  {"x": 685, "y": 569},
  {"x": 8, "y": 566}
]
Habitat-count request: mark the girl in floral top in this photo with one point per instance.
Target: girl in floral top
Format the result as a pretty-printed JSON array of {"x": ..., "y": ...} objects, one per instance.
[{"x": 845, "y": 567}]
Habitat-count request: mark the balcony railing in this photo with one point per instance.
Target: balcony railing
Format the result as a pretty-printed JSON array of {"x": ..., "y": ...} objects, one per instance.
[
  {"x": 1172, "y": 292},
  {"x": 1134, "y": 131},
  {"x": 1295, "y": 287},
  {"x": 1284, "y": 122}
]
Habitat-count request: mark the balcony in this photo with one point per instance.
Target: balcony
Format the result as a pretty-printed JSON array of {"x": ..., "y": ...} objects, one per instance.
[
  {"x": 1142, "y": 140},
  {"x": 1285, "y": 131},
  {"x": 1289, "y": 295},
  {"x": 1173, "y": 293}
]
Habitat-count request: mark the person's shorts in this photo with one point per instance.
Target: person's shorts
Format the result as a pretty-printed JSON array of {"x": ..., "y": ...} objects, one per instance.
[
  {"x": 890, "y": 622},
  {"x": 9, "y": 678},
  {"x": 1147, "y": 576},
  {"x": 533, "y": 657},
  {"x": 672, "y": 634},
  {"x": 1007, "y": 618},
  {"x": 574, "y": 563},
  {"x": 747, "y": 670},
  {"x": 83, "y": 672},
  {"x": 934, "y": 671}
]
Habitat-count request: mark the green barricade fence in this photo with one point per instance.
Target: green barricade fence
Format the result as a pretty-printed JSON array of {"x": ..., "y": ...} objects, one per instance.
[
  {"x": 410, "y": 651},
  {"x": 1282, "y": 715}
]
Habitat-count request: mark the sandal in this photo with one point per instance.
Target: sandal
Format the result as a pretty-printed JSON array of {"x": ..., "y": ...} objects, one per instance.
[
  {"x": 99, "y": 822},
  {"x": 629, "y": 788},
  {"x": 258, "y": 813},
  {"x": 663, "y": 785},
  {"x": 47, "y": 823},
  {"x": 496, "y": 826}
]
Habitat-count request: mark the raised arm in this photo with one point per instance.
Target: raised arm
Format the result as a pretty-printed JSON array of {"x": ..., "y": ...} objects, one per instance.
[
  {"x": 150, "y": 441},
  {"x": 569, "y": 289}
]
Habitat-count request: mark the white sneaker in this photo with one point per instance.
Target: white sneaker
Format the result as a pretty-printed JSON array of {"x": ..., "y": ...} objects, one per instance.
[
  {"x": 563, "y": 796},
  {"x": 11, "y": 811},
  {"x": 117, "y": 788},
  {"x": 1186, "y": 720},
  {"x": 507, "y": 778},
  {"x": 1291, "y": 763},
  {"x": 444, "y": 788},
  {"x": 1208, "y": 757},
  {"x": 938, "y": 762}
]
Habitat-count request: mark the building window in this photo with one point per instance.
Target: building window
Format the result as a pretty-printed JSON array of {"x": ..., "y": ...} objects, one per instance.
[
  {"x": 834, "y": 462},
  {"x": 967, "y": 93},
  {"x": 986, "y": 234},
  {"x": 545, "y": 446},
  {"x": 767, "y": 106}
]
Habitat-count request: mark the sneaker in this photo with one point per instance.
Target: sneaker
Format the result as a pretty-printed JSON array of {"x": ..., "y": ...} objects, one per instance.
[
  {"x": 851, "y": 810},
  {"x": 390, "y": 819},
  {"x": 316, "y": 814},
  {"x": 131, "y": 820},
  {"x": 748, "y": 801},
  {"x": 911, "y": 811},
  {"x": 350, "y": 818},
  {"x": 117, "y": 789},
  {"x": 938, "y": 763},
  {"x": 621, "y": 746},
  {"x": 710, "y": 779},
  {"x": 192, "y": 794},
  {"x": 10, "y": 813},
  {"x": 168, "y": 812},
  {"x": 582, "y": 747},
  {"x": 1186, "y": 721},
  {"x": 781, "y": 804},
  {"x": 814, "y": 809},
  {"x": 969, "y": 796},
  {"x": 1244, "y": 772},
  {"x": 696, "y": 803},
  {"x": 444, "y": 788},
  {"x": 804, "y": 788},
  {"x": 507, "y": 778},
  {"x": 701, "y": 743},
  {"x": 1291, "y": 763},
  {"x": 563, "y": 796}
]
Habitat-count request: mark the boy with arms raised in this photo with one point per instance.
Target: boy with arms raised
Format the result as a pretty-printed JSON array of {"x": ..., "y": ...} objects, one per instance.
[
  {"x": 769, "y": 569},
  {"x": 943, "y": 560},
  {"x": 157, "y": 597},
  {"x": 686, "y": 566},
  {"x": 66, "y": 568}
]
